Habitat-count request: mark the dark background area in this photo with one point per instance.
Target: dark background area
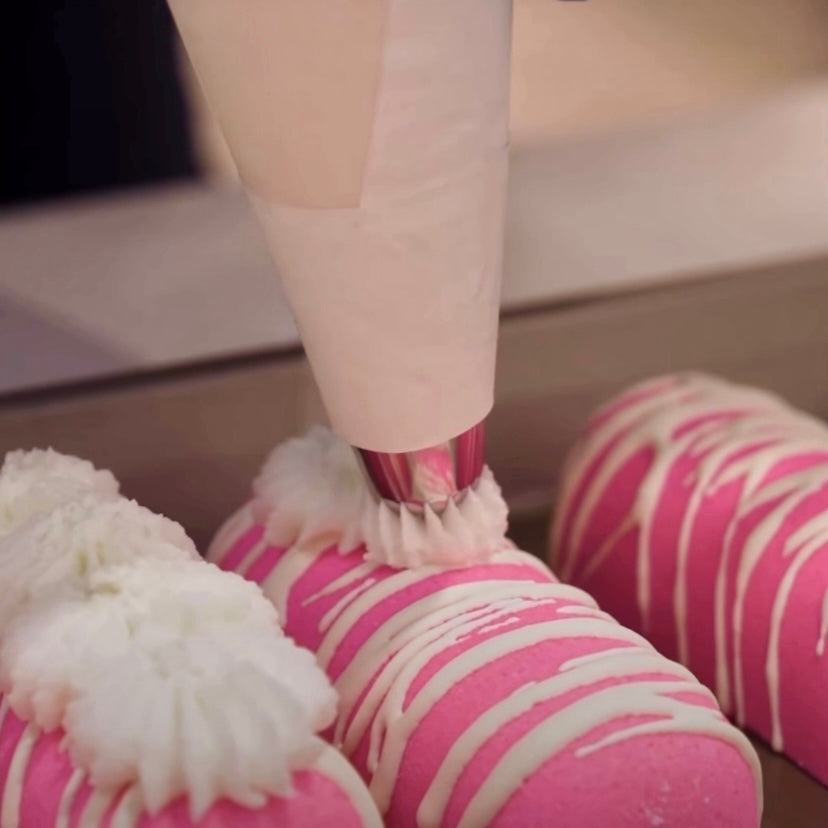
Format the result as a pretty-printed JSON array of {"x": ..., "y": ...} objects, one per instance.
[{"x": 91, "y": 98}]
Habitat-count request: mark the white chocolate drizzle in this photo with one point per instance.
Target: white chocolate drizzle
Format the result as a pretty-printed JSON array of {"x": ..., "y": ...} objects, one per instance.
[
  {"x": 128, "y": 810},
  {"x": 13, "y": 791},
  {"x": 823, "y": 626},
  {"x": 67, "y": 798}
]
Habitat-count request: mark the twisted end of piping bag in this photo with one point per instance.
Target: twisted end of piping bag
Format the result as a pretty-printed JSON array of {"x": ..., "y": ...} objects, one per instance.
[{"x": 431, "y": 476}]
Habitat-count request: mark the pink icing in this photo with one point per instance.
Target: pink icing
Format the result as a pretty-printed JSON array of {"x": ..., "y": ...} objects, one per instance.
[
  {"x": 683, "y": 778},
  {"x": 656, "y": 482}
]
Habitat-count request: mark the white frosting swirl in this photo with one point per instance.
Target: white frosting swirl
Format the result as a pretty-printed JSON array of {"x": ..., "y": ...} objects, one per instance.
[
  {"x": 311, "y": 491},
  {"x": 166, "y": 673},
  {"x": 467, "y": 532},
  {"x": 172, "y": 676},
  {"x": 60, "y": 549},
  {"x": 35, "y": 482}
]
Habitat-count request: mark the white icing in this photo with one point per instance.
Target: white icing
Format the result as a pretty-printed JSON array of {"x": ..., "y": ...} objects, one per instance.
[
  {"x": 291, "y": 567},
  {"x": 172, "y": 675},
  {"x": 577, "y": 719},
  {"x": 823, "y": 626},
  {"x": 334, "y": 765},
  {"x": 128, "y": 810},
  {"x": 717, "y": 469},
  {"x": 472, "y": 530},
  {"x": 801, "y": 546},
  {"x": 35, "y": 482},
  {"x": 336, "y": 610},
  {"x": 792, "y": 489},
  {"x": 394, "y": 726},
  {"x": 67, "y": 798},
  {"x": 356, "y": 573},
  {"x": 410, "y": 656},
  {"x": 624, "y": 662},
  {"x": 95, "y": 808},
  {"x": 312, "y": 489},
  {"x": 15, "y": 777},
  {"x": 251, "y": 556},
  {"x": 58, "y": 550},
  {"x": 235, "y": 526}
]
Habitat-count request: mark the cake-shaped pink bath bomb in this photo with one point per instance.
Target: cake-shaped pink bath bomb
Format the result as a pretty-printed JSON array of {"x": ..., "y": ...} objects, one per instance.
[
  {"x": 696, "y": 512},
  {"x": 480, "y": 695},
  {"x": 143, "y": 686}
]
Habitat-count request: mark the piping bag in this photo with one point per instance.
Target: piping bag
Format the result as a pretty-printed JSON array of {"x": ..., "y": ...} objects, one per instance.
[{"x": 371, "y": 137}]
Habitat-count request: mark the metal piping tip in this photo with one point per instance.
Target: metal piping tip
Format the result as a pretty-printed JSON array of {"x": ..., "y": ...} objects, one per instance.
[{"x": 433, "y": 475}]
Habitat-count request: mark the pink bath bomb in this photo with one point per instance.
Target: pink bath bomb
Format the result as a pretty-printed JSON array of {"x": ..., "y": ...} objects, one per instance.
[
  {"x": 696, "y": 512},
  {"x": 493, "y": 695}
]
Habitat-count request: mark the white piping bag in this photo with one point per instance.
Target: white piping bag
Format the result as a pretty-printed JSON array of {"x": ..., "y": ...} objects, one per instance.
[{"x": 371, "y": 137}]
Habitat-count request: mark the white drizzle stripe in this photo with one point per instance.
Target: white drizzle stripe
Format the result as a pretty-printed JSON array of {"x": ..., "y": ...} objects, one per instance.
[
  {"x": 128, "y": 810},
  {"x": 415, "y": 654},
  {"x": 401, "y": 641},
  {"x": 717, "y": 469},
  {"x": 645, "y": 698},
  {"x": 333, "y": 613},
  {"x": 750, "y": 434},
  {"x": 232, "y": 530},
  {"x": 625, "y": 661},
  {"x": 388, "y": 587},
  {"x": 67, "y": 798},
  {"x": 332, "y": 764},
  {"x": 626, "y": 422},
  {"x": 95, "y": 808},
  {"x": 288, "y": 570},
  {"x": 16, "y": 777},
  {"x": 751, "y": 555},
  {"x": 252, "y": 555},
  {"x": 394, "y": 726},
  {"x": 800, "y": 555},
  {"x": 422, "y": 616},
  {"x": 823, "y": 626},
  {"x": 370, "y": 598},
  {"x": 350, "y": 577}
]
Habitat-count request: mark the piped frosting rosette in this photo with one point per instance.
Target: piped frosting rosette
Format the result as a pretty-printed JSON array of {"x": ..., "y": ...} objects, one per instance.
[
  {"x": 141, "y": 684},
  {"x": 312, "y": 490},
  {"x": 696, "y": 510},
  {"x": 479, "y": 691}
]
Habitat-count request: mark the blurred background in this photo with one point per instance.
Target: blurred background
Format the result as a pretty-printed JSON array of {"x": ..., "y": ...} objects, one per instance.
[
  {"x": 602, "y": 67},
  {"x": 653, "y": 140}
]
